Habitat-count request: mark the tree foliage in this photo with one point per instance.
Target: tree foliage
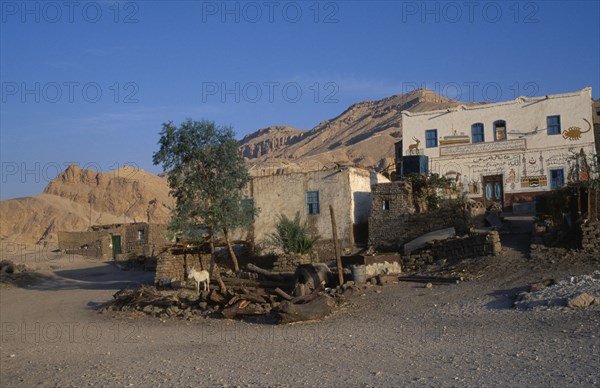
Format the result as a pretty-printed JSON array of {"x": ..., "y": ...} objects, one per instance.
[{"x": 206, "y": 176}]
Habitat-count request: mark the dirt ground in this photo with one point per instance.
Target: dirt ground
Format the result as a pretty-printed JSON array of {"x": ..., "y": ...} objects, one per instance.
[{"x": 397, "y": 335}]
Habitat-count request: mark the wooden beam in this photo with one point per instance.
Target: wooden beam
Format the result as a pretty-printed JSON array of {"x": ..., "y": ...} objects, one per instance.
[{"x": 336, "y": 246}]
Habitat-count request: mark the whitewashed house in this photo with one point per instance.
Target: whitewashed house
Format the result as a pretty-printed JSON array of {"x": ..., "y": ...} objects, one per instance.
[
  {"x": 509, "y": 151},
  {"x": 310, "y": 193}
]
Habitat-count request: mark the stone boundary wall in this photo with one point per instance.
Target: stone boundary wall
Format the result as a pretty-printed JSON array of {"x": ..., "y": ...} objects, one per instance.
[
  {"x": 171, "y": 268},
  {"x": 590, "y": 239},
  {"x": 456, "y": 248},
  {"x": 288, "y": 263},
  {"x": 394, "y": 220},
  {"x": 589, "y": 234}
]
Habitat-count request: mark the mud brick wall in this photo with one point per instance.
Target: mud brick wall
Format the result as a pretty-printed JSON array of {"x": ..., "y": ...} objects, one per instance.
[
  {"x": 458, "y": 248},
  {"x": 394, "y": 222},
  {"x": 173, "y": 267},
  {"x": 92, "y": 244},
  {"x": 590, "y": 239},
  {"x": 288, "y": 263}
]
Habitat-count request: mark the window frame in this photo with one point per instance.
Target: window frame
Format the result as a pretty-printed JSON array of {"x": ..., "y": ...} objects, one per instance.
[
  {"x": 434, "y": 139},
  {"x": 473, "y": 128},
  {"x": 312, "y": 202},
  {"x": 496, "y": 131},
  {"x": 553, "y": 129},
  {"x": 386, "y": 205}
]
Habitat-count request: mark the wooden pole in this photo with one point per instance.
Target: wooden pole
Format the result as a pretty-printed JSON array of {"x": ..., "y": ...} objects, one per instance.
[
  {"x": 336, "y": 246},
  {"x": 589, "y": 203},
  {"x": 579, "y": 201}
]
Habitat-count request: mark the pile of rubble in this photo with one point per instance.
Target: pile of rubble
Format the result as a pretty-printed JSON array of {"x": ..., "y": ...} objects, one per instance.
[
  {"x": 571, "y": 292},
  {"x": 306, "y": 297}
]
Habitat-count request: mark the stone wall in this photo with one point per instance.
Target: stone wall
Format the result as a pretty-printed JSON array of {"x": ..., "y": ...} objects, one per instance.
[
  {"x": 92, "y": 244},
  {"x": 394, "y": 220},
  {"x": 137, "y": 240},
  {"x": 172, "y": 268},
  {"x": 452, "y": 249},
  {"x": 590, "y": 239},
  {"x": 288, "y": 263}
]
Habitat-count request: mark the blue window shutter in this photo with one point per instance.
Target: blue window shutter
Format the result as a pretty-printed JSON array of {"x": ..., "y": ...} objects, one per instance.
[
  {"x": 477, "y": 135},
  {"x": 553, "y": 125},
  {"x": 431, "y": 138}
]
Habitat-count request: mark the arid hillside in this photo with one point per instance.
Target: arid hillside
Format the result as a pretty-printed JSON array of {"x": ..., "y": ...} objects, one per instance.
[
  {"x": 364, "y": 134},
  {"x": 78, "y": 198}
]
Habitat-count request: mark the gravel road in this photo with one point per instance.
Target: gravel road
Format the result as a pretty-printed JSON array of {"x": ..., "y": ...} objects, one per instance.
[{"x": 397, "y": 335}]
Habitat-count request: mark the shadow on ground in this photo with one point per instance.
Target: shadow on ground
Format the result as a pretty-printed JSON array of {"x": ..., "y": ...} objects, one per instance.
[
  {"x": 503, "y": 299},
  {"x": 516, "y": 234},
  {"x": 103, "y": 277}
]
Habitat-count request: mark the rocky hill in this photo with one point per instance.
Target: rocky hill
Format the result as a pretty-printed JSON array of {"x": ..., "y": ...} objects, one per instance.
[
  {"x": 78, "y": 198},
  {"x": 364, "y": 134}
]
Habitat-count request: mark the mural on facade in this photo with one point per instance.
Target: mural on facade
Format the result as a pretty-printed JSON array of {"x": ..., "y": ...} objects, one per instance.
[
  {"x": 574, "y": 133},
  {"x": 579, "y": 169},
  {"x": 414, "y": 147},
  {"x": 527, "y": 170}
]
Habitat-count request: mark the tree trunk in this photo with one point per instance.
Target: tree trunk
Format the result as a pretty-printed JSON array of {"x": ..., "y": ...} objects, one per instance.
[
  {"x": 211, "y": 270},
  {"x": 283, "y": 277},
  {"x": 236, "y": 267},
  {"x": 318, "y": 308},
  {"x": 212, "y": 255}
]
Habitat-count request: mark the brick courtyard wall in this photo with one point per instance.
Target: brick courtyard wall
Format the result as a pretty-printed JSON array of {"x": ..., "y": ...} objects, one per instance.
[{"x": 394, "y": 220}]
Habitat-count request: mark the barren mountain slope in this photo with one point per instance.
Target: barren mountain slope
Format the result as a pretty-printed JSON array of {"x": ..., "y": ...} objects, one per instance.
[
  {"x": 77, "y": 198},
  {"x": 364, "y": 134}
]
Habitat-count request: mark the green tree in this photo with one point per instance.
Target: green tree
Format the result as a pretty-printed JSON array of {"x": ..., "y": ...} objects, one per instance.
[{"x": 206, "y": 176}]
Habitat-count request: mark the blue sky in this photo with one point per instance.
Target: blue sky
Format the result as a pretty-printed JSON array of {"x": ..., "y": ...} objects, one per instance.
[{"x": 92, "y": 82}]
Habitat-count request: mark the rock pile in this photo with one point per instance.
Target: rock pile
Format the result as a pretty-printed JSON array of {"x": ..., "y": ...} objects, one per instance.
[
  {"x": 573, "y": 292},
  {"x": 235, "y": 302}
]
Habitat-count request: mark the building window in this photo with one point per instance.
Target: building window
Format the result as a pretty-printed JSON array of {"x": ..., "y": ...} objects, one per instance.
[
  {"x": 499, "y": 130},
  {"x": 386, "y": 204},
  {"x": 598, "y": 111},
  {"x": 477, "y": 133},
  {"x": 553, "y": 123},
  {"x": 557, "y": 178},
  {"x": 312, "y": 202},
  {"x": 431, "y": 138},
  {"x": 141, "y": 235}
]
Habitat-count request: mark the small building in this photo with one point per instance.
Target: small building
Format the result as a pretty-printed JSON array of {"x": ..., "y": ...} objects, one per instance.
[
  {"x": 346, "y": 189},
  {"x": 507, "y": 152},
  {"x": 115, "y": 240}
]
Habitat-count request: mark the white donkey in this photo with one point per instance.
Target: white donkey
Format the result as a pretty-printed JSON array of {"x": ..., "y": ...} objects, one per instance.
[{"x": 199, "y": 277}]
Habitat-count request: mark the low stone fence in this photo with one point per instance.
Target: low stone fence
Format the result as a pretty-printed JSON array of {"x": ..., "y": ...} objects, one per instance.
[
  {"x": 171, "y": 268},
  {"x": 288, "y": 263},
  {"x": 585, "y": 236},
  {"x": 456, "y": 248},
  {"x": 590, "y": 236}
]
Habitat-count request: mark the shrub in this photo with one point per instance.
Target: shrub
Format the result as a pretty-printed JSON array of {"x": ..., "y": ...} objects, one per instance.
[{"x": 292, "y": 235}]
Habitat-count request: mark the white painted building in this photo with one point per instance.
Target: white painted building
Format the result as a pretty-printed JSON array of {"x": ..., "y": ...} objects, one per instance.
[
  {"x": 507, "y": 151},
  {"x": 346, "y": 189}
]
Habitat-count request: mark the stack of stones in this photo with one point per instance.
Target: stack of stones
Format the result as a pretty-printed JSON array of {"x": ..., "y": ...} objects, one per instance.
[
  {"x": 289, "y": 262},
  {"x": 590, "y": 240},
  {"x": 171, "y": 268},
  {"x": 452, "y": 249}
]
